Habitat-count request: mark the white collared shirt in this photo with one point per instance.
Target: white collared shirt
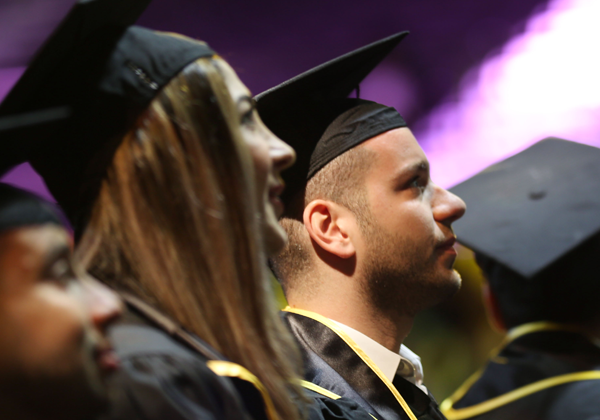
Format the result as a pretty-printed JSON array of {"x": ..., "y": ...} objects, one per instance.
[{"x": 405, "y": 363}]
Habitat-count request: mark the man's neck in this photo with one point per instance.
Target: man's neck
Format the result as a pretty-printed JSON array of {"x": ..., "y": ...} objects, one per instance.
[
  {"x": 350, "y": 307},
  {"x": 9, "y": 411},
  {"x": 389, "y": 331}
]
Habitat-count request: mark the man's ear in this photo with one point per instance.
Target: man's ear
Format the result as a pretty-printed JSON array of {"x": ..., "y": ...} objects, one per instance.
[{"x": 328, "y": 225}]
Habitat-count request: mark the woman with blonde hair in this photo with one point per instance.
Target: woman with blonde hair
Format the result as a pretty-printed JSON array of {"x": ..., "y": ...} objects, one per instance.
[
  {"x": 177, "y": 219},
  {"x": 177, "y": 222},
  {"x": 172, "y": 183}
]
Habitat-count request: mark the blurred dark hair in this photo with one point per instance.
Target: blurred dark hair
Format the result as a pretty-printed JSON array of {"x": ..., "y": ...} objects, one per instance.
[
  {"x": 566, "y": 291},
  {"x": 19, "y": 208}
]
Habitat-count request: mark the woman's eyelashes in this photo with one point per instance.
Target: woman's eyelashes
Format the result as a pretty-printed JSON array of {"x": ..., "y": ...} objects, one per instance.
[
  {"x": 247, "y": 109},
  {"x": 248, "y": 118}
]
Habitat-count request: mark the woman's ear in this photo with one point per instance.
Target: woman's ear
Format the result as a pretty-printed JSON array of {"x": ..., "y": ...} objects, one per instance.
[
  {"x": 492, "y": 307},
  {"x": 327, "y": 225}
]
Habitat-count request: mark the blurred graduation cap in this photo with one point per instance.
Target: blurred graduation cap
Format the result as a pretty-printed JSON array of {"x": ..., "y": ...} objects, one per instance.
[
  {"x": 107, "y": 73},
  {"x": 19, "y": 208},
  {"x": 38, "y": 119},
  {"x": 32, "y": 122},
  {"x": 531, "y": 209},
  {"x": 302, "y": 112}
]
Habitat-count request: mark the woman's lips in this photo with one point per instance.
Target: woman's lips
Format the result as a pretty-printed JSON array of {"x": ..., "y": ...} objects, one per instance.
[
  {"x": 278, "y": 206},
  {"x": 274, "y": 193},
  {"x": 276, "y": 190}
]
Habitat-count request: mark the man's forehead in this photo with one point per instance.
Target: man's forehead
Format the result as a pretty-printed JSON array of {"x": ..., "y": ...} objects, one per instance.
[
  {"x": 37, "y": 239},
  {"x": 398, "y": 145}
]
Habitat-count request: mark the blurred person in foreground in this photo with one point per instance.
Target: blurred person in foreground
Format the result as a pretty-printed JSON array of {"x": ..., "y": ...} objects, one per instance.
[
  {"x": 54, "y": 354},
  {"x": 171, "y": 179},
  {"x": 533, "y": 223},
  {"x": 370, "y": 236}
]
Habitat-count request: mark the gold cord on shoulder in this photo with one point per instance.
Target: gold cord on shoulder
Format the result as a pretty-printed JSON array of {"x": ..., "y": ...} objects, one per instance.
[
  {"x": 233, "y": 370},
  {"x": 447, "y": 406},
  {"x": 336, "y": 329},
  {"x": 319, "y": 390},
  {"x": 493, "y": 403}
]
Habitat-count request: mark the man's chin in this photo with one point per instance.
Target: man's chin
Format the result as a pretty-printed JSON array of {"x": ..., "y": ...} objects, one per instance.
[
  {"x": 443, "y": 288},
  {"x": 44, "y": 396},
  {"x": 456, "y": 279},
  {"x": 451, "y": 283},
  {"x": 275, "y": 238}
]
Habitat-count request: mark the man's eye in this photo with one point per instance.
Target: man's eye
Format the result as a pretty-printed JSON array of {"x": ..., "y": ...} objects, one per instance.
[
  {"x": 418, "y": 182},
  {"x": 61, "y": 271}
]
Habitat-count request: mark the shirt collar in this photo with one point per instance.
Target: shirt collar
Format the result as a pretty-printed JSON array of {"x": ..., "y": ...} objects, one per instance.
[{"x": 387, "y": 360}]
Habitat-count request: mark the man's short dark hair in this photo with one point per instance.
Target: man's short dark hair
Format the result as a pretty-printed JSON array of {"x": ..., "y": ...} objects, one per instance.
[{"x": 340, "y": 181}]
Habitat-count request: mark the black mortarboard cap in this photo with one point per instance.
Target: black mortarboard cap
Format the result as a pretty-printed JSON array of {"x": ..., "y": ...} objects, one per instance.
[
  {"x": 33, "y": 123},
  {"x": 107, "y": 73},
  {"x": 531, "y": 209},
  {"x": 19, "y": 208},
  {"x": 300, "y": 110},
  {"x": 11, "y": 125}
]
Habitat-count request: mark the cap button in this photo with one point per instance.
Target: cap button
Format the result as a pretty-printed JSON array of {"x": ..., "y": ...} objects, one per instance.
[{"x": 537, "y": 194}]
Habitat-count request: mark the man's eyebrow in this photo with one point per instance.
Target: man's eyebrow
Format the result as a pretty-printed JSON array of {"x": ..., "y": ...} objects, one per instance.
[
  {"x": 418, "y": 166},
  {"x": 422, "y": 166},
  {"x": 408, "y": 170}
]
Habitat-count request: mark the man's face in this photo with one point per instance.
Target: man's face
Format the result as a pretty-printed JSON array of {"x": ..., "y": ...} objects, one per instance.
[
  {"x": 53, "y": 351},
  {"x": 407, "y": 239}
]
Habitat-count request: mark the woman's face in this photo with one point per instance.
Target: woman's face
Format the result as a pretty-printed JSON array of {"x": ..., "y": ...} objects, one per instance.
[{"x": 270, "y": 156}]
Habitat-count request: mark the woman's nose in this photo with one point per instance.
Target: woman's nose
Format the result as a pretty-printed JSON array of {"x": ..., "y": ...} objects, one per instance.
[{"x": 282, "y": 154}]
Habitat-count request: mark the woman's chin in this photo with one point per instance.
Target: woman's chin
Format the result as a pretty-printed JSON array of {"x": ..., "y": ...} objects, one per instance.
[{"x": 274, "y": 236}]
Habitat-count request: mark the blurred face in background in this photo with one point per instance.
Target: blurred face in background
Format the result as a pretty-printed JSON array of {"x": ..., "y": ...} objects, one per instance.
[
  {"x": 53, "y": 350},
  {"x": 270, "y": 156}
]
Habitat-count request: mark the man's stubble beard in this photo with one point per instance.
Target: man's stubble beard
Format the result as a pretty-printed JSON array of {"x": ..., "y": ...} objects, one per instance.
[
  {"x": 400, "y": 279},
  {"x": 44, "y": 393}
]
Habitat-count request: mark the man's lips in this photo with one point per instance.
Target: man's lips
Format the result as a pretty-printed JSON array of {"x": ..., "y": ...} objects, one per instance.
[
  {"x": 448, "y": 244},
  {"x": 106, "y": 358}
]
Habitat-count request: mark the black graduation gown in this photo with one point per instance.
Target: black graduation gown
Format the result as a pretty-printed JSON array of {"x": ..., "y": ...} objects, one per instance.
[
  {"x": 167, "y": 373},
  {"x": 334, "y": 362},
  {"x": 543, "y": 371}
]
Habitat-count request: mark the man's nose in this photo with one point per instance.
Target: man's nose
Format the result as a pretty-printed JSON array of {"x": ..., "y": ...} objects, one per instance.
[
  {"x": 104, "y": 305},
  {"x": 447, "y": 207}
]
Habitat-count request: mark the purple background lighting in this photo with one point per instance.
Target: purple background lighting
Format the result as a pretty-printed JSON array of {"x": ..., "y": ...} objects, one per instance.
[
  {"x": 476, "y": 80},
  {"x": 478, "y": 84},
  {"x": 543, "y": 83},
  {"x": 270, "y": 41}
]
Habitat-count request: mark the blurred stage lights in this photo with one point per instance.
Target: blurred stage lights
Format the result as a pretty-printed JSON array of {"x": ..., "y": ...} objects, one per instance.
[{"x": 545, "y": 81}]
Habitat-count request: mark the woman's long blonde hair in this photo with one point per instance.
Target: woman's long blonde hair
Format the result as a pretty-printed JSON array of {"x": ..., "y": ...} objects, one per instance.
[{"x": 175, "y": 223}]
